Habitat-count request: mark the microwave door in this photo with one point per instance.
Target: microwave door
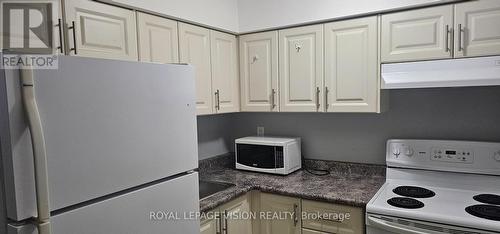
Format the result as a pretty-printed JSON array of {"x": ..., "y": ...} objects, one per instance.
[{"x": 257, "y": 156}]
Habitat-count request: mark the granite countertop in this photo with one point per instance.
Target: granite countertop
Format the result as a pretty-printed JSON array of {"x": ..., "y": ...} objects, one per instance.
[{"x": 348, "y": 183}]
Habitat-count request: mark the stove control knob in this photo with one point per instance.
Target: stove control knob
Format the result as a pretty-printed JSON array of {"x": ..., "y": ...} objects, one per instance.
[
  {"x": 396, "y": 152},
  {"x": 408, "y": 151},
  {"x": 496, "y": 156}
]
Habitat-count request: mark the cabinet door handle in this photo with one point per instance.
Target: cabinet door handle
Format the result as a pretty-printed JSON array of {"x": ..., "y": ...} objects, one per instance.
[
  {"x": 460, "y": 39},
  {"x": 73, "y": 27},
  {"x": 273, "y": 101},
  {"x": 59, "y": 26},
  {"x": 224, "y": 230},
  {"x": 217, "y": 100},
  {"x": 326, "y": 97},
  {"x": 218, "y": 224},
  {"x": 447, "y": 38},
  {"x": 295, "y": 216},
  {"x": 317, "y": 98}
]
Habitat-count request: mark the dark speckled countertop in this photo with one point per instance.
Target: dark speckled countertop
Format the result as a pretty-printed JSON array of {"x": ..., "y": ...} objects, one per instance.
[{"x": 348, "y": 183}]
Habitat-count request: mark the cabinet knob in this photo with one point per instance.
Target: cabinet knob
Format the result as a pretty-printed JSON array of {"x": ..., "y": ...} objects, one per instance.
[
  {"x": 255, "y": 58},
  {"x": 298, "y": 47}
]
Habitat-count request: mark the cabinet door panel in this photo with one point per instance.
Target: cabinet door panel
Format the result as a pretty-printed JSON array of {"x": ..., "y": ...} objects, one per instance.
[
  {"x": 208, "y": 226},
  {"x": 259, "y": 71},
  {"x": 417, "y": 34},
  {"x": 194, "y": 46},
  {"x": 301, "y": 68},
  {"x": 102, "y": 31},
  {"x": 276, "y": 203},
  {"x": 225, "y": 71},
  {"x": 351, "y": 65},
  {"x": 353, "y": 225},
  {"x": 237, "y": 208},
  {"x": 479, "y": 22},
  {"x": 158, "y": 40},
  {"x": 310, "y": 231}
]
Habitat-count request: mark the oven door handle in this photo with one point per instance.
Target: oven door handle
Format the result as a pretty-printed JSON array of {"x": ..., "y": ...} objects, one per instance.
[{"x": 394, "y": 227}]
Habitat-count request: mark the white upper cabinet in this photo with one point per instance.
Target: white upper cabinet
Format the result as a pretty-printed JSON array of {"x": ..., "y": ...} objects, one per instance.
[
  {"x": 417, "y": 34},
  {"x": 259, "y": 72},
  {"x": 225, "y": 80},
  {"x": 100, "y": 30},
  {"x": 194, "y": 45},
  {"x": 351, "y": 61},
  {"x": 301, "y": 68},
  {"x": 158, "y": 40},
  {"x": 477, "y": 28}
]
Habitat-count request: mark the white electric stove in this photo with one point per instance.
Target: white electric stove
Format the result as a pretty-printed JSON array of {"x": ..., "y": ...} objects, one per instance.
[{"x": 438, "y": 187}]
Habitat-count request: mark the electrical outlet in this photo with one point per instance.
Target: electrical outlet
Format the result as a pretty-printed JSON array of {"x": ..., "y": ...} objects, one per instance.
[{"x": 260, "y": 131}]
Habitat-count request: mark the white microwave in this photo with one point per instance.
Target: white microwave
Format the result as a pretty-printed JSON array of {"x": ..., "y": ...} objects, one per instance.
[{"x": 275, "y": 155}]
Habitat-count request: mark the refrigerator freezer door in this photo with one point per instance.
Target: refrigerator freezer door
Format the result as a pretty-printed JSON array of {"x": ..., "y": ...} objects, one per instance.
[
  {"x": 161, "y": 208},
  {"x": 108, "y": 126}
]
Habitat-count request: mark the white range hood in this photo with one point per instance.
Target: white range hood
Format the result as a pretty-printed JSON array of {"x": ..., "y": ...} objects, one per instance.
[{"x": 482, "y": 71}]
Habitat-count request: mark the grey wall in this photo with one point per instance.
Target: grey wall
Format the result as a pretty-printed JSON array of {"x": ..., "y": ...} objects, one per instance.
[
  {"x": 447, "y": 113},
  {"x": 215, "y": 134}
]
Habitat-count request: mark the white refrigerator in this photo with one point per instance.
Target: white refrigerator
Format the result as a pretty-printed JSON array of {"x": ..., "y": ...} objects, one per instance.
[{"x": 98, "y": 146}]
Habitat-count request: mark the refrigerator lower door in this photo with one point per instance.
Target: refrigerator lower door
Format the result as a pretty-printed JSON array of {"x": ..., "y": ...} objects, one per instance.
[
  {"x": 108, "y": 126},
  {"x": 166, "y": 207}
]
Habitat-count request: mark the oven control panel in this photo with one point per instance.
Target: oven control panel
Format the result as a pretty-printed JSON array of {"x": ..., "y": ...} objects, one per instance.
[
  {"x": 452, "y": 155},
  {"x": 457, "y": 156}
]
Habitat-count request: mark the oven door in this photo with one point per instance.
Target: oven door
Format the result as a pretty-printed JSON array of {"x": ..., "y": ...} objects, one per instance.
[
  {"x": 264, "y": 158},
  {"x": 380, "y": 224}
]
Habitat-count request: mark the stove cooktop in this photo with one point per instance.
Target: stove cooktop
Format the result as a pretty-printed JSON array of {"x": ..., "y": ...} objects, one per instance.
[
  {"x": 449, "y": 204},
  {"x": 490, "y": 212},
  {"x": 405, "y": 202},
  {"x": 413, "y": 191},
  {"x": 491, "y": 199}
]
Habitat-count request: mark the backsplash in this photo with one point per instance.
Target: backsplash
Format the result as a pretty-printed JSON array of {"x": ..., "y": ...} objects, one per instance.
[
  {"x": 215, "y": 135},
  {"x": 471, "y": 113},
  {"x": 344, "y": 167},
  {"x": 219, "y": 161}
]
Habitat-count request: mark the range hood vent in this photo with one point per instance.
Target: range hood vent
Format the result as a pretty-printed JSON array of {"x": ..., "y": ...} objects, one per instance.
[{"x": 482, "y": 71}]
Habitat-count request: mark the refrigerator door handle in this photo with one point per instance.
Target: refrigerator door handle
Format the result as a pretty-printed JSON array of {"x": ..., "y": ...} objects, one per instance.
[{"x": 39, "y": 153}]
